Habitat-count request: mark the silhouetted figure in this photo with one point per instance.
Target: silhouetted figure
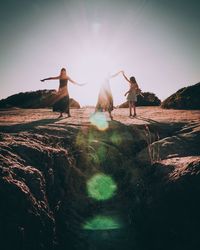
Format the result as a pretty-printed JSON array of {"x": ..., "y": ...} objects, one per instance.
[
  {"x": 62, "y": 100},
  {"x": 132, "y": 94},
  {"x": 105, "y": 99}
]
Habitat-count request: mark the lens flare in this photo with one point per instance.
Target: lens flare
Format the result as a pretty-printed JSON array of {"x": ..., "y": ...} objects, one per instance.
[
  {"x": 116, "y": 138},
  {"x": 99, "y": 120},
  {"x": 101, "y": 153},
  {"x": 101, "y": 187},
  {"x": 102, "y": 222}
]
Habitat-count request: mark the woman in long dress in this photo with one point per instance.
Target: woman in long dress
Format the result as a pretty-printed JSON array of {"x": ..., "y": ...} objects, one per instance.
[
  {"x": 132, "y": 94},
  {"x": 62, "y": 98},
  {"x": 105, "y": 99}
]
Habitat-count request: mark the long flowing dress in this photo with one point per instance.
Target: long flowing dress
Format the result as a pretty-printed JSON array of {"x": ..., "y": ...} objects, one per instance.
[
  {"x": 105, "y": 99},
  {"x": 62, "y": 98}
]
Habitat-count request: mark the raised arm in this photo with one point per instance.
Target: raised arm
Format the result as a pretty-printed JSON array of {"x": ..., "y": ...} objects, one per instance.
[
  {"x": 116, "y": 74},
  {"x": 126, "y": 78},
  {"x": 50, "y": 78}
]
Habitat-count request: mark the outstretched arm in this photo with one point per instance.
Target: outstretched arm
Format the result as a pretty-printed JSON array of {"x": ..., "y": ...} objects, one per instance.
[
  {"x": 74, "y": 82},
  {"x": 139, "y": 91},
  {"x": 127, "y": 93},
  {"x": 50, "y": 78}
]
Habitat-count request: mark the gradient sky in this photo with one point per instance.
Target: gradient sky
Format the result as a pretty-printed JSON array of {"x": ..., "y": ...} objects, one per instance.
[{"x": 157, "y": 41}]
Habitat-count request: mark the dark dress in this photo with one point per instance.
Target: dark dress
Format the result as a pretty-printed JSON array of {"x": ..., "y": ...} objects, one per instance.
[{"x": 61, "y": 103}]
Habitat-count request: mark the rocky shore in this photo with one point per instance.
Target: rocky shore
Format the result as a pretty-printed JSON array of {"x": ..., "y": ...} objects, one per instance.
[{"x": 47, "y": 167}]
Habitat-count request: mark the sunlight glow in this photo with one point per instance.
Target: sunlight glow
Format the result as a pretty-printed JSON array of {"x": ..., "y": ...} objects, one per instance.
[{"x": 93, "y": 65}]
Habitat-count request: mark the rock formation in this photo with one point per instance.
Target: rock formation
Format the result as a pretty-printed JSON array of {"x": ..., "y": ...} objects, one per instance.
[
  {"x": 148, "y": 99},
  {"x": 185, "y": 98},
  {"x": 44, "y": 175},
  {"x": 34, "y": 99}
]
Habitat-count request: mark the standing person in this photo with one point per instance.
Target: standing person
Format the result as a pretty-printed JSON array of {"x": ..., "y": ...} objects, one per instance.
[
  {"x": 62, "y": 101},
  {"x": 132, "y": 94},
  {"x": 105, "y": 99}
]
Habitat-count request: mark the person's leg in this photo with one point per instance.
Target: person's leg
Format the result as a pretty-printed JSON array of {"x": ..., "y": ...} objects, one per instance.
[
  {"x": 134, "y": 108},
  {"x": 130, "y": 108},
  {"x": 111, "y": 117},
  {"x": 61, "y": 115},
  {"x": 68, "y": 106}
]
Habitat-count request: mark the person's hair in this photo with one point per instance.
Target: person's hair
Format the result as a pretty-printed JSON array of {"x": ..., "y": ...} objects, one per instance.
[
  {"x": 63, "y": 72},
  {"x": 132, "y": 79}
]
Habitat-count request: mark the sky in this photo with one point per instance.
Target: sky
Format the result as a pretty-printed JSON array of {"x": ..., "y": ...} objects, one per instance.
[{"x": 157, "y": 41}]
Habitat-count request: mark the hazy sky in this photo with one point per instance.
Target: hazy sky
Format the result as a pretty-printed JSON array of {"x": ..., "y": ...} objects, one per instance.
[{"x": 157, "y": 41}]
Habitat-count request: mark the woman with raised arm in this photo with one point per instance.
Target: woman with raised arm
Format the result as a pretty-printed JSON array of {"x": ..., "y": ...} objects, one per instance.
[
  {"x": 132, "y": 93},
  {"x": 105, "y": 99},
  {"x": 62, "y": 100}
]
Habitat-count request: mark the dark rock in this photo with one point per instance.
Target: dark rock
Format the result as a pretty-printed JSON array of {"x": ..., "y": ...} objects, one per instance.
[
  {"x": 148, "y": 99},
  {"x": 183, "y": 143},
  {"x": 34, "y": 99},
  {"x": 74, "y": 104},
  {"x": 26, "y": 220},
  {"x": 185, "y": 98},
  {"x": 44, "y": 173},
  {"x": 173, "y": 211}
]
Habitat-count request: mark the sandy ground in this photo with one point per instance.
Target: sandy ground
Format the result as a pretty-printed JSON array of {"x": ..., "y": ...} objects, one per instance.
[{"x": 145, "y": 115}]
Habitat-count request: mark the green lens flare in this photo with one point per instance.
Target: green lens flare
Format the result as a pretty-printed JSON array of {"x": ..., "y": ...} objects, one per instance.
[
  {"x": 116, "y": 139},
  {"x": 99, "y": 120},
  {"x": 101, "y": 187},
  {"x": 101, "y": 153},
  {"x": 101, "y": 222}
]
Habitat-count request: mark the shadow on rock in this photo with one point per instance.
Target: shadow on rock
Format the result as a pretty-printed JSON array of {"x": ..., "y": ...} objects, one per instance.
[{"x": 67, "y": 187}]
